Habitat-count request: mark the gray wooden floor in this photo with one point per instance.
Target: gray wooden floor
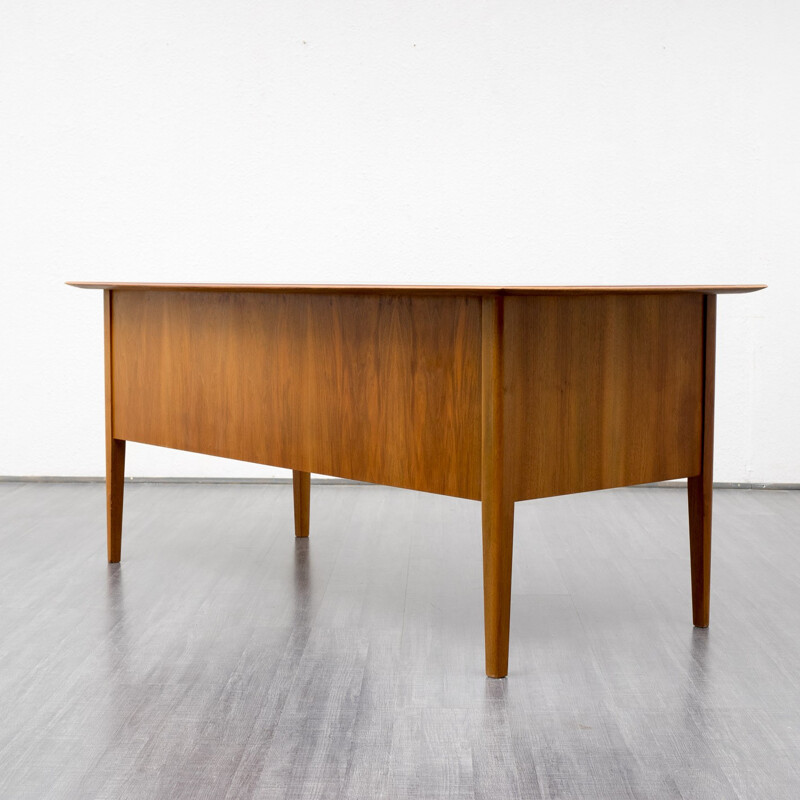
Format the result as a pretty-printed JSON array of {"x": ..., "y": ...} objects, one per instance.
[{"x": 225, "y": 659}]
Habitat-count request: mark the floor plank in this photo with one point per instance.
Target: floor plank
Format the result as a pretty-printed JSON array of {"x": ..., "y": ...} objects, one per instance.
[{"x": 226, "y": 658}]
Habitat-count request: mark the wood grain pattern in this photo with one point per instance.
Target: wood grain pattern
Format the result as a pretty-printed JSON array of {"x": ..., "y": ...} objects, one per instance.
[
  {"x": 604, "y": 391},
  {"x": 496, "y": 492},
  {"x": 461, "y": 291},
  {"x": 380, "y": 389},
  {"x": 115, "y": 449},
  {"x": 700, "y": 486},
  {"x": 301, "y": 490}
]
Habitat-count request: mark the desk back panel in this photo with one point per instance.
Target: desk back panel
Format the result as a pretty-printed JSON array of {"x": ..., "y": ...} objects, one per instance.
[
  {"x": 603, "y": 390},
  {"x": 377, "y": 388}
]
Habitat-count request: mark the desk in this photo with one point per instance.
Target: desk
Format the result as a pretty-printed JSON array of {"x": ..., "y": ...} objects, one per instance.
[{"x": 492, "y": 393}]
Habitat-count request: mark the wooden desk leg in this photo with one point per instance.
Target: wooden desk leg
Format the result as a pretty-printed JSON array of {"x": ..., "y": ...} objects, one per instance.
[
  {"x": 496, "y": 498},
  {"x": 700, "y": 485},
  {"x": 498, "y": 540},
  {"x": 115, "y": 483},
  {"x": 115, "y": 453},
  {"x": 700, "y": 547},
  {"x": 301, "y": 484}
]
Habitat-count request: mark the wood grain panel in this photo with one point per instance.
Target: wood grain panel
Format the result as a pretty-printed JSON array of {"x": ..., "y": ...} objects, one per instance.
[
  {"x": 376, "y": 388},
  {"x": 604, "y": 390}
]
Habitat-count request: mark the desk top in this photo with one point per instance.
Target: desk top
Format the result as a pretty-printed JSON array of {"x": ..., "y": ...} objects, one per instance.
[{"x": 318, "y": 288}]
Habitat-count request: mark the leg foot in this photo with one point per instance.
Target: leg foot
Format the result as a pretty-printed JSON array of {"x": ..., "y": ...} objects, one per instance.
[
  {"x": 700, "y": 547},
  {"x": 301, "y": 484},
  {"x": 115, "y": 483}
]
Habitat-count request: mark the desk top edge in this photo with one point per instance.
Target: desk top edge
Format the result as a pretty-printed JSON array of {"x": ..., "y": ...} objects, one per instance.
[{"x": 315, "y": 288}]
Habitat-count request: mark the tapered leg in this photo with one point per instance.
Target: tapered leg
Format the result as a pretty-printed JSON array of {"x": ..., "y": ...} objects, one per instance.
[
  {"x": 115, "y": 451},
  {"x": 497, "y": 500},
  {"x": 699, "y": 486},
  {"x": 498, "y": 540},
  {"x": 115, "y": 482},
  {"x": 700, "y": 546},
  {"x": 301, "y": 484}
]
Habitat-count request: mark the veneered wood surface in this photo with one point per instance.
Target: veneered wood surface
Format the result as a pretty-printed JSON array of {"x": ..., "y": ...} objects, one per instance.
[
  {"x": 413, "y": 290},
  {"x": 487, "y": 393},
  {"x": 384, "y": 389},
  {"x": 603, "y": 391}
]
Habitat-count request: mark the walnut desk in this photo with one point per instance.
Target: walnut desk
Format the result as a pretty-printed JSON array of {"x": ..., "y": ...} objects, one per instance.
[{"x": 491, "y": 393}]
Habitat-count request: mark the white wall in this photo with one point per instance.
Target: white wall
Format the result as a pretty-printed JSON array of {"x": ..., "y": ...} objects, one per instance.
[{"x": 430, "y": 142}]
